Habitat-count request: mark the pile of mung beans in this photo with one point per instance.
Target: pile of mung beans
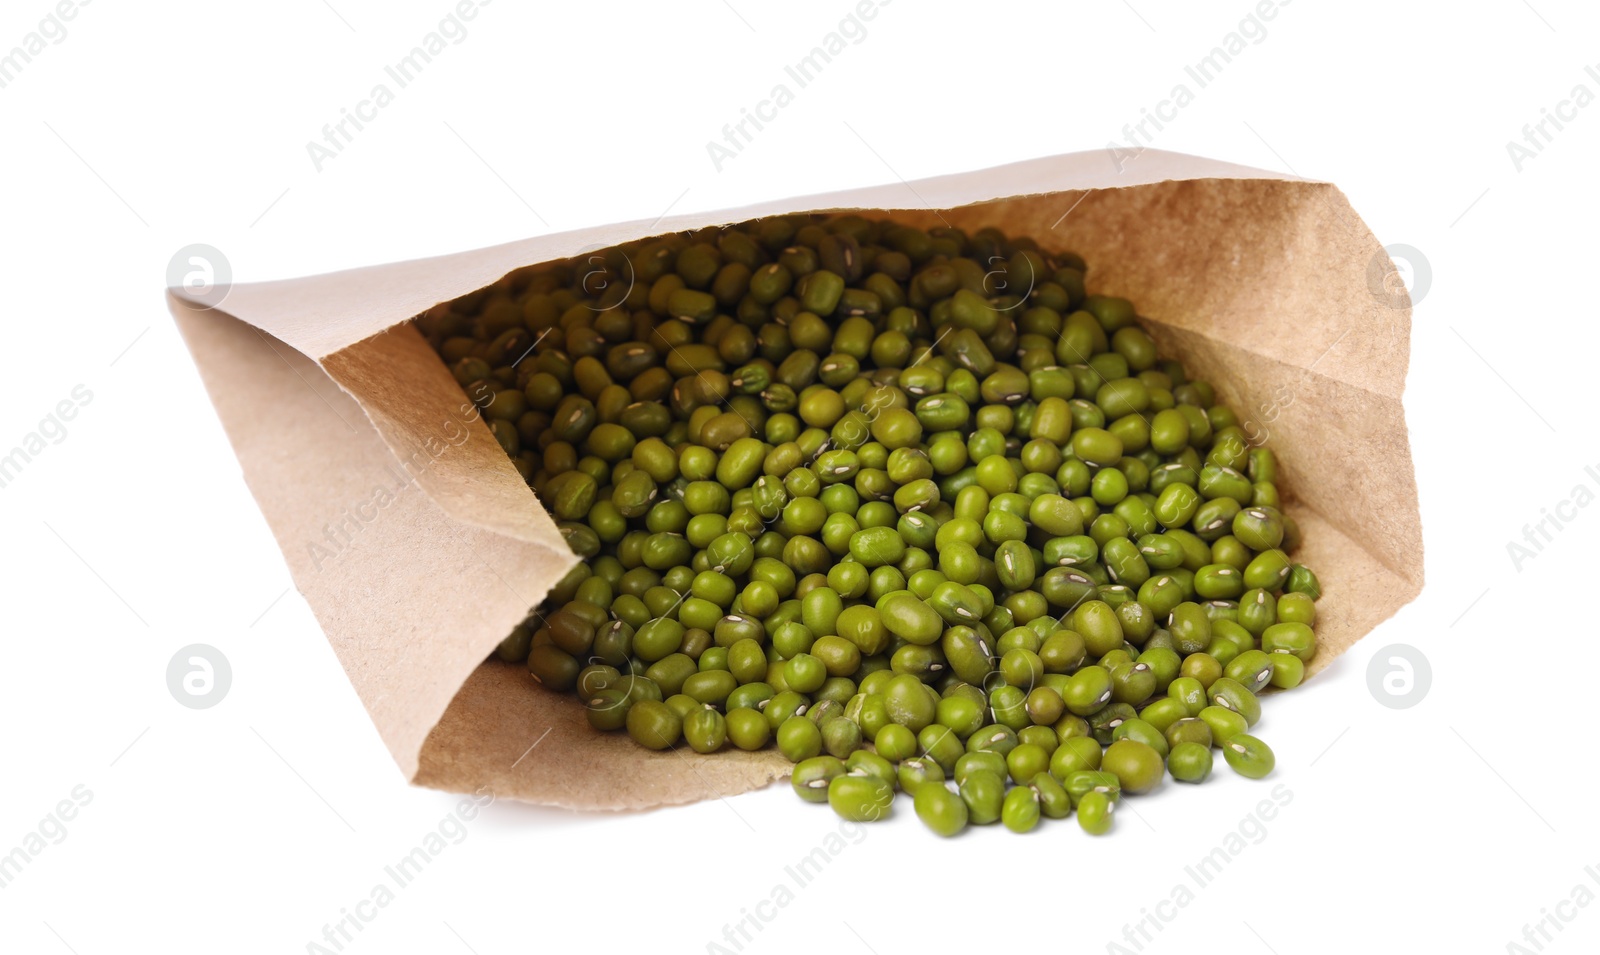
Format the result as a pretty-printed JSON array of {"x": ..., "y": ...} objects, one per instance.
[{"x": 908, "y": 504}]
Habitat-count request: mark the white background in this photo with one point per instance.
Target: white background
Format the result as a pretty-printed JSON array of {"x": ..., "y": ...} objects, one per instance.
[{"x": 1448, "y": 826}]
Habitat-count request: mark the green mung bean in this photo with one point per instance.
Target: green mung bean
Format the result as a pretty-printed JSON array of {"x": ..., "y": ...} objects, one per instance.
[{"x": 913, "y": 502}]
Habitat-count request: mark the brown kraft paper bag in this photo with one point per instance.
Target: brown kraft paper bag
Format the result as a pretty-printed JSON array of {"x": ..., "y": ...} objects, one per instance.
[{"x": 418, "y": 546}]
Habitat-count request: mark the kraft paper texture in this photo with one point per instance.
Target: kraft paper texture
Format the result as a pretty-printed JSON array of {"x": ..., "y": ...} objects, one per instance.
[{"x": 418, "y": 546}]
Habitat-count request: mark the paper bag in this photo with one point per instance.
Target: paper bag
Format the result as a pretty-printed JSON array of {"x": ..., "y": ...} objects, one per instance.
[{"x": 418, "y": 546}]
